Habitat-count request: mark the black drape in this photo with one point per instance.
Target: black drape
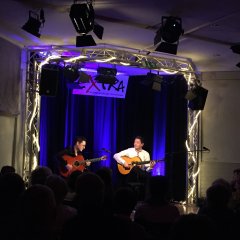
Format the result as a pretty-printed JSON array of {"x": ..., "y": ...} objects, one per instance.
[{"x": 66, "y": 115}]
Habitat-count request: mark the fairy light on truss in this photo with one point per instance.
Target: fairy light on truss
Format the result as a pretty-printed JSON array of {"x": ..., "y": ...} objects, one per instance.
[
  {"x": 48, "y": 59},
  {"x": 36, "y": 141},
  {"x": 36, "y": 100},
  {"x": 194, "y": 122},
  {"x": 169, "y": 71},
  {"x": 125, "y": 64},
  {"x": 194, "y": 174},
  {"x": 35, "y": 163},
  {"x": 105, "y": 60},
  {"x": 73, "y": 59}
]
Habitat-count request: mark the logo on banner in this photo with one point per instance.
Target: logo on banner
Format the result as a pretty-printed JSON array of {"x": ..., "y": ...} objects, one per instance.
[{"x": 115, "y": 88}]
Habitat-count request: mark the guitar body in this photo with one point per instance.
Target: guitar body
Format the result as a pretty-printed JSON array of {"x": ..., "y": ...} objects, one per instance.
[
  {"x": 131, "y": 162},
  {"x": 76, "y": 162}
]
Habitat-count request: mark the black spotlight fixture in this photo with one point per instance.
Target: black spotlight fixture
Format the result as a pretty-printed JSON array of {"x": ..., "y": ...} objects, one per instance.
[
  {"x": 156, "y": 80},
  {"x": 34, "y": 23},
  {"x": 153, "y": 81},
  {"x": 167, "y": 37},
  {"x": 83, "y": 19},
  {"x": 236, "y": 48},
  {"x": 106, "y": 75}
]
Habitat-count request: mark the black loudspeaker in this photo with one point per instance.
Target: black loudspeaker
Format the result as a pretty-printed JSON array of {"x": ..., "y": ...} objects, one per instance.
[
  {"x": 199, "y": 99},
  {"x": 49, "y": 80}
]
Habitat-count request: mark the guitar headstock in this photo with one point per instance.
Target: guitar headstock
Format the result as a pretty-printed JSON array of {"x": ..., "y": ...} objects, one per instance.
[{"x": 104, "y": 157}]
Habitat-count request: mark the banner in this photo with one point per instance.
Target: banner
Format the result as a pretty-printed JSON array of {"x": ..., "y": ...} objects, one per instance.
[{"x": 102, "y": 86}]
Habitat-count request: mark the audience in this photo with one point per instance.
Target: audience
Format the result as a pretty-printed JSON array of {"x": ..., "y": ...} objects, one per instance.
[
  {"x": 39, "y": 175},
  {"x": 7, "y": 169},
  {"x": 87, "y": 206},
  {"x": 218, "y": 210},
  {"x": 156, "y": 213},
  {"x": 193, "y": 226},
  {"x": 63, "y": 212},
  {"x": 37, "y": 213}
]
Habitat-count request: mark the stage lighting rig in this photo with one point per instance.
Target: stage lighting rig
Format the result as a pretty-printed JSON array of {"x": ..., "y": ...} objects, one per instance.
[
  {"x": 167, "y": 37},
  {"x": 106, "y": 75},
  {"x": 83, "y": 19},
  {"x": 35, "y": 21}
]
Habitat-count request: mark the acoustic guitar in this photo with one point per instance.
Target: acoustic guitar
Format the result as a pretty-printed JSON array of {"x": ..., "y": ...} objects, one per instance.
[
  {"x": 77, "y": 163},
  {"x": 134, "y": 161}
]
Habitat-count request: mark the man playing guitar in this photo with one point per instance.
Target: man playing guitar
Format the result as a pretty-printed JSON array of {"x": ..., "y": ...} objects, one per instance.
[
  {"x": 74, "y": 151},
  {"x": 138, "y": 171}
]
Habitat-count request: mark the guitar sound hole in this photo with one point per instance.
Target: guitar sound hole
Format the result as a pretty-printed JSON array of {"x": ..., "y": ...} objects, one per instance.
[{"x": 76, "y": 164}]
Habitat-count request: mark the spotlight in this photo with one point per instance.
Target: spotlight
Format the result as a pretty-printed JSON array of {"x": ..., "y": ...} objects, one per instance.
[
  {"x": 171, "y": 29},
  {"x": 83, "y": 77},
  {"x": 168, "y": 35},
  {"x": 34, "y": 23},
  {"x": 153, "y": 80},
  {"x": 70, "y": 73},
  {"x": 85, "y": 40},
  {"x": 156, "y": 81},
  {"x": 106, "y": 75},
  {"x": 236, "y": 48},
  {"x": 82, "y": 17}
]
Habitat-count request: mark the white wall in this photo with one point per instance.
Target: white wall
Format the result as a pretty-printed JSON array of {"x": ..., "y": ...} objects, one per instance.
[
  {"x": 6, "y": 139},
  {"x": 220, "y": 127},
  {"x": 12, "y": 106}
]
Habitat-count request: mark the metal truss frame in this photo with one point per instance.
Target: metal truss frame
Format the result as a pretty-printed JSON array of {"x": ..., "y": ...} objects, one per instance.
[{"x": 37, "y": 56}]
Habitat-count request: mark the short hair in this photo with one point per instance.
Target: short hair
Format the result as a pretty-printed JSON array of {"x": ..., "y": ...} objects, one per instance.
[
  {"x": 79, "y": 139},
  {"x": 7, "y": 169},
  {"x": 140, "y": 138},
  {"x": 237, "y": 171}
]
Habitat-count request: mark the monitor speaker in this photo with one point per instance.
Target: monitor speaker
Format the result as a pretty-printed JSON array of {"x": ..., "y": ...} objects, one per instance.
[{"x": 199, "y": 99}]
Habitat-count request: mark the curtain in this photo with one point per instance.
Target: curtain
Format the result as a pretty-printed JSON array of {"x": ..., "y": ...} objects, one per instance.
[{"x": 111, "y": 123}]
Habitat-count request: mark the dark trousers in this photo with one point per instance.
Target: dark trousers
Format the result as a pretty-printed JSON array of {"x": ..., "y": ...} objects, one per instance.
[{"x": 136, "y": 179}]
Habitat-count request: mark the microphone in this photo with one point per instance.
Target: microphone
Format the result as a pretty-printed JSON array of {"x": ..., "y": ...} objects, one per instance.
[
  {"x": 106, "y": 150},
  {"x": 206, "y": 149}
]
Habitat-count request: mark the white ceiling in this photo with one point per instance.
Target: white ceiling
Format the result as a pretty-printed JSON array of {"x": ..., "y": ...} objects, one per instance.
[{"x": 210, "y": 27}]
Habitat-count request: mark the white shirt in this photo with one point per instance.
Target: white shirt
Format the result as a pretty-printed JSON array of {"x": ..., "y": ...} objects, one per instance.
[{"x": 132, "y": 152}]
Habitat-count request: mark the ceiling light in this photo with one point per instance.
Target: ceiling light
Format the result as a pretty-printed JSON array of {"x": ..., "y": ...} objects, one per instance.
[
  {"x": 168, "y": 35},
  {"x": 82, "y": 16},
  {"x": 236, "y": 48},
  {"x": 83, "y": 19},
  {"x": 34, "y": 23},
  {"x": 153, "y": 80},
  {"x": 85, "y": 40},
  {"x": 106, "y": 75}
]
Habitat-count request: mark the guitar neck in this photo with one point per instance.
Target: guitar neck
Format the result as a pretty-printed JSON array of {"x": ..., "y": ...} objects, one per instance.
[
  {"x": 146, "y": 162},
  {"x": 92, "y": 160},
  {"x": 141, "y": 163}
]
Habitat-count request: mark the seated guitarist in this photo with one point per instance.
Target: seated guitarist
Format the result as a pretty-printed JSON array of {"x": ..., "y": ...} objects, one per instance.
[
  {"x": 75, "y": 150},
  {"x": 136, "y": 151}
]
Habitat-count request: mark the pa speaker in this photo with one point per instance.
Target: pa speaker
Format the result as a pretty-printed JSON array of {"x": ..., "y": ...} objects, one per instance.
[
  {"x": 198, "y": 102},
  {"x": 49, "y": 80}
]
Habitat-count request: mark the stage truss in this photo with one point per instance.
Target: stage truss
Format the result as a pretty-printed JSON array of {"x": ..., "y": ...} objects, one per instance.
[{"x": 132, "y": 58}]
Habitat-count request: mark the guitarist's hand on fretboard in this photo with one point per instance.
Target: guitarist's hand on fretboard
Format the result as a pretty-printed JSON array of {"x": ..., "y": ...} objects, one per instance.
[
  {"x": 152, "y": 164},
  {"x": 88, "y": 163}
]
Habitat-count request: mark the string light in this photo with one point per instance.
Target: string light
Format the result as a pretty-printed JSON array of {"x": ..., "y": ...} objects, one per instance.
[{"x": 105, "y": 60}]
